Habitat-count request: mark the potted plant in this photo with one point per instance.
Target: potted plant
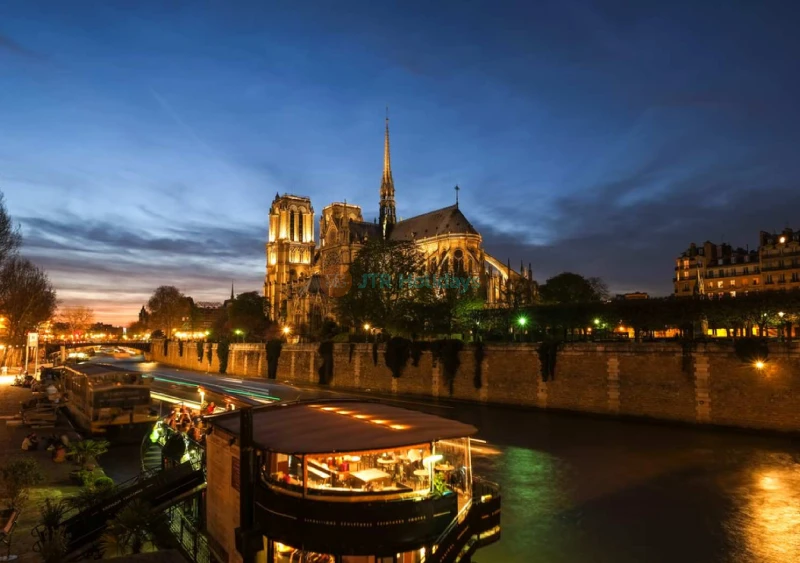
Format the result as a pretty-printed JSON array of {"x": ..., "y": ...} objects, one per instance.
[{"x": 86, "y": 452}]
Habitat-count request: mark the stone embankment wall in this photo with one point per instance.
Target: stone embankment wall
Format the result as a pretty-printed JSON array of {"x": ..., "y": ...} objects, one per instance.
[{"x": 707, "y": 383}]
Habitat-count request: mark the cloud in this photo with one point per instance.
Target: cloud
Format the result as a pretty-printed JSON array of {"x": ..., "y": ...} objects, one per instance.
[
  {"x": 631, "y": 242},
  {"x": 115, "y": 268}
]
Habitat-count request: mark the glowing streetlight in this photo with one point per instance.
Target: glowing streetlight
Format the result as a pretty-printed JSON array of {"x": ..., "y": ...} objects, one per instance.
[
  {"x": 366, "y": 326},
  {"x": 760, "y": 365},
  {"x": 597, "y": 322},
  {"x": 522, "y": 321},
  {"x": 286, "y": 330}
]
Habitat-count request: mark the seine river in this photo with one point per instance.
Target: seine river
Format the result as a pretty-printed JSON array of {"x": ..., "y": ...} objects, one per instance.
[{"x": 580, "y": 489}]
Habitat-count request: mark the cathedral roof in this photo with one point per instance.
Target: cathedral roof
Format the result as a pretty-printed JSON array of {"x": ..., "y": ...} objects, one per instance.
[
  {"x": 439, "y": 222},
  {"x": 360, "y": 231}
]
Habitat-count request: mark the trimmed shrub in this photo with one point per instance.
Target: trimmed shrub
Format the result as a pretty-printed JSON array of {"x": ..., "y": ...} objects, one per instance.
[{"x": 104, "y": 483}]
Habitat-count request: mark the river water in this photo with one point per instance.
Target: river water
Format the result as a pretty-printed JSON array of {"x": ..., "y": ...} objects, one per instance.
[{"x": 581, "y": 489}]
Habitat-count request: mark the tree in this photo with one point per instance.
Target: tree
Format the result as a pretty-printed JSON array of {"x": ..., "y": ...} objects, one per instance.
[
  {"x": 573, "y": 288},
  {"x": 168, "y": 307},
  {"x": 17, "y": 476},
  {"x": 246, "y": 313},
  {"x": 76, "y": 319},
  {"x": 26, "y": 297},
  {"x": 381, "y": 294},
  {"x": 10, "y": 238}
]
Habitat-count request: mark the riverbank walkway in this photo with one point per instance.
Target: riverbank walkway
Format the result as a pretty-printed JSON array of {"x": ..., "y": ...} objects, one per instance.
[{"x": 56, "y": 484}]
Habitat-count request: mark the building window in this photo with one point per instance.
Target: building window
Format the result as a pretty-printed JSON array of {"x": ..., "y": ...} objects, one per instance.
[
  {"x": 300, "y": 226},
  {"x": 291, "y": 225},
  {"x": 733, "y": 294},
  {"x": 719, "y": 284},
  {"x": 733, "y": 283},
  {"x": 755, "y": 281}
]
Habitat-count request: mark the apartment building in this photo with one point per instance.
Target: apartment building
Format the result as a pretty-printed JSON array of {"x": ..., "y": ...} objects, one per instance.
[{"x": 715, "y": 270}]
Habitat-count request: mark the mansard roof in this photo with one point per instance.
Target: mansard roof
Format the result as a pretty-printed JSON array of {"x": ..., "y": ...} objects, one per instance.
[{"x": 448, "y": 220}]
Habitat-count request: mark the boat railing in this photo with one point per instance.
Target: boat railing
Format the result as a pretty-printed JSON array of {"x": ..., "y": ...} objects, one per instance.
[{"x": 483, "y": 492}]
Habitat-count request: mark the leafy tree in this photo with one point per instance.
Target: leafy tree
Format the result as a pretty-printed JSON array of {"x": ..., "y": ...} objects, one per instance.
[
  {"x": 385, "y": 301},
  {"x": 76, "y": 319},
  {"x": 26, "y": 297},
  {"x": 247, "y": 313},
  {"x": 10, "y": 238},
  {"x": 17, "y": 476},
  {"x": 168, "y": 307},
  {"x": 573, "y": 288}
]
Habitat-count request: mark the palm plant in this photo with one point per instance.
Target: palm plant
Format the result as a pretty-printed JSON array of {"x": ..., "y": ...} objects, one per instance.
[
  {"x": 52, "y": 513},
  {"x": 54, "y": 548},
  {"x": 86, "y": 452},
  {"x": 131, "y": 530}
]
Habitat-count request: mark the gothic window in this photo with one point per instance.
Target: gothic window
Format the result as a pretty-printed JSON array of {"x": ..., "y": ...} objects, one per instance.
[
  {"x": 294, "y": 256},
  {"x": 458, "y": 261},
  {"x": 433, "y": 265},
  {"x": 469, "y": 265},
  {"x": 291, "y": 224},
  {"x": 445, "y": 265},
  {"x": 300, "y": 226}
]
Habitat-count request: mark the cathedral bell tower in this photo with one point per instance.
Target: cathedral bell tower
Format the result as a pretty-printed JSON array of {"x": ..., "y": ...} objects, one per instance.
[
  {"x": 387, "y": 212},
  {"x": 290, "y": 248}
]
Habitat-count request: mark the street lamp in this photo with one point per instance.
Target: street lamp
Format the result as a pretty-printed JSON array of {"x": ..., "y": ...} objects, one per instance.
[
  {"x": 366, "y": 327},
  {"x": 202, "y": 397},
  {"x": 239, "y": 332}
]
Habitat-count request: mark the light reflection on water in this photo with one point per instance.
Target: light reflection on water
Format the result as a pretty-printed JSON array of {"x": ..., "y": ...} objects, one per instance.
[
  {"x": 769, "y": 515},
  {"x": 583, "y": 490}
]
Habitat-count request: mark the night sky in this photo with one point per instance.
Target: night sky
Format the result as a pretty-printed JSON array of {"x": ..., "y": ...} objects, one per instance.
[{"x": 143, "y": 146}]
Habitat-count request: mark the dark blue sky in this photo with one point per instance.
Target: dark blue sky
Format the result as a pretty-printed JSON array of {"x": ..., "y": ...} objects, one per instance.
[{"x": 142, "y": 143}]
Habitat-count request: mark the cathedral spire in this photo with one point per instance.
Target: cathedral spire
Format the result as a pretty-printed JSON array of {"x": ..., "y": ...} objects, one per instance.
[{"x": 387, "y": 212}]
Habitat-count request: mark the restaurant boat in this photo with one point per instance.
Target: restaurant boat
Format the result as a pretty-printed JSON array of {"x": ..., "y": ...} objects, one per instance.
[
  {"x": 344, "y": 481},
  {"x": 108, "y": 401}
]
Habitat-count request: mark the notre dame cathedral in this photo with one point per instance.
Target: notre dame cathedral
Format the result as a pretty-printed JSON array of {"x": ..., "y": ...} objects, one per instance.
[{"x": 297, "y": 266}]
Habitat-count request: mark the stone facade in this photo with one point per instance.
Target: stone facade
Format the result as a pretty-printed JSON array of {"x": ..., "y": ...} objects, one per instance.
[{"x": 705, "y": 384}]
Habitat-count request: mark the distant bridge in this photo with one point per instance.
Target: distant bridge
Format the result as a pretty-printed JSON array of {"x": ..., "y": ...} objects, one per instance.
[{"x": 52, "y": 347}]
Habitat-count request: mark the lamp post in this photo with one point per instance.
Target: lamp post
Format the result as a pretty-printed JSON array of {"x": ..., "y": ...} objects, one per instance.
[
  {"x": 239, "y": 332},
  {"x": 781, "y": 314}
]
